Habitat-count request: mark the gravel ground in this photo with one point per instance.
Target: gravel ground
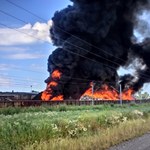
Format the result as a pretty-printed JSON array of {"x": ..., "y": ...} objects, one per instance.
[{"x": 140, "y": 143}]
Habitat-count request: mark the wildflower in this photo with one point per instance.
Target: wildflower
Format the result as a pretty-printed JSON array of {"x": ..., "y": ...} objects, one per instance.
[
  {"x": 124, "y": 119},
  {"x": 72, "y": 133},
  {"x": 84, "y": 129},
  {"x": 137, "y": 112},
  {"x": 54, "y": 127}
]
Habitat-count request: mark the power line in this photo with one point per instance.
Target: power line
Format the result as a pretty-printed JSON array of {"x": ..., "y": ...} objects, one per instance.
[
  {"x": 22, "y": 32},
  {"x": 89, "y": 58},
  {"x": 17, "y": 68},
  {"x": 67, "y": 42},
  {"x": 17, "y": 77},
  {"x": 63, "y": 40},
  {"x": 64, "y": 31},
  {"x": 20, "y": 81},
  {"x": 35, "y": 15},
  {"x": 31, "y": 80},
  {"x": 26, "y": 10},
  {"x": 8, "y": 14},
  {"x": 14, "y": 84},
  {"x": 93, "y": 53},
  {"x": 63, "y": 49},
  {"x": 28, "y": 70},
  {"x": 75, "y": 82}
]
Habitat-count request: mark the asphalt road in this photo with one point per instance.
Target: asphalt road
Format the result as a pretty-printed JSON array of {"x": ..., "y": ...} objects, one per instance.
[{"x": 140, "y": 143}]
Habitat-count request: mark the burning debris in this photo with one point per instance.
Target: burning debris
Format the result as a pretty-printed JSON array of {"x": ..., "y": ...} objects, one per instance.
[
  {"x": 52, "y": 87},
  {"x": 108, "y": 93},
  {"x": 94, "y": 38}
]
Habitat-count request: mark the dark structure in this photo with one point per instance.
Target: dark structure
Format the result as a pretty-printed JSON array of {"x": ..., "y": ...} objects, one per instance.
[{"x": 11, "y": 96}]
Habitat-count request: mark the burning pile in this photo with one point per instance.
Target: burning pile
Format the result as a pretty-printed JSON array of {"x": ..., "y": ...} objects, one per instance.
[
  {"x": 48, "y": 94},
  {"x": 108, "y": 93},
  {"x": 94, "y": 38}
]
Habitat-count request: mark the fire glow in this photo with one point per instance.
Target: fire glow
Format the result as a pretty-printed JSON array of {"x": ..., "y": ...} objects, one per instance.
[
  {"x": 109, "y": 93},
  {"x": 48, "y": 93},
  {"x": 56, "y": 74},
  {"x": 104, "y": 93}
]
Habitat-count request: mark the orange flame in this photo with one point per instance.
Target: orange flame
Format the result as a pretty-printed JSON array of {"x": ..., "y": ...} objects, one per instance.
[
  {"x": 47, "y": 94},
  {"x": 56, "y": 74},
  {"x": 108, "y": 93},
  {"x": 53, "y": 83},
  {"x": 56, "y": 98},
  {"x": 127, "y": 95}
]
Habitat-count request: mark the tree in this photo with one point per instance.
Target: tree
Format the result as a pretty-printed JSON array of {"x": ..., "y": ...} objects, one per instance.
[{"x": 142, "y": 95}]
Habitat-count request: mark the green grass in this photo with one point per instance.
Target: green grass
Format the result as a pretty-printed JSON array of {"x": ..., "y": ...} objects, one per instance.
[
  {"x": 26, "y": 126},
  {"x": 46, "y": 108},
  {"x": 102, "y": 140}
]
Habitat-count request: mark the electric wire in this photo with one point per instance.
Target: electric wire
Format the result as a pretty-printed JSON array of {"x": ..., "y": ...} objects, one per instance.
[
  {"x": 20, "y": 7},
  {"x": 18, "y": 77},
  {"x": 45, "y": 41},
  {"x": 64, "y": 50},
  {"x": 22, "y": 32},
  {"x": 62, "y": 40},
  {"x": 35, "y": 15},
  {"x": 67, "y": 42}
]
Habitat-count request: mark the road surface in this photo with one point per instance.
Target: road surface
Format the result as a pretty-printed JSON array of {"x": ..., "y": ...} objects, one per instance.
[{"x": 140, "y": 143}]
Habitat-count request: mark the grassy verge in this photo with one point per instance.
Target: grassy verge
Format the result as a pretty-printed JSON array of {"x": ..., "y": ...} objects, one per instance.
[
  {"x": 100, "y": 141},
  {"x": 47, "y": 108},
  {"x": 74, "y": 124}
]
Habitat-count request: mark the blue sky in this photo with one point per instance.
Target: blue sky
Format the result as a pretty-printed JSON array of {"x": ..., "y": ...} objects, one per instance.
[{"x": 23, "y": 58}]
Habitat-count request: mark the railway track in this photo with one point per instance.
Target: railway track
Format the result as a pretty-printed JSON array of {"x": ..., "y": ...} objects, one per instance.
[{"x": 28, "y": 103}]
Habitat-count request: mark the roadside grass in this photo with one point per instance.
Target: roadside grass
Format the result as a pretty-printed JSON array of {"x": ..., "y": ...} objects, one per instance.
[
  {"x": 38, "y": 125},
  {"x": 100, "y": 141}
]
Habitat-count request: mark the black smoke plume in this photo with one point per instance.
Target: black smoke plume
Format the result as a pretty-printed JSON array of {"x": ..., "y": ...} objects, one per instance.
[{"x": 94, "y": 39}]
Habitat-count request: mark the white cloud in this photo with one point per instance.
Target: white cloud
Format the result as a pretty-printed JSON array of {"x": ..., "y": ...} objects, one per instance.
[
  {"x": 4, "y": 81},
  {"x": 25, "y": 56},
  {"x": 27, "y": 34},
  {"x": 122, "y": 71}
]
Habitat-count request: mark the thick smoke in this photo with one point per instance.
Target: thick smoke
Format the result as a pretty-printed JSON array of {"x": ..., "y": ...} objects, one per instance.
[{"x": 94, "y": 39}]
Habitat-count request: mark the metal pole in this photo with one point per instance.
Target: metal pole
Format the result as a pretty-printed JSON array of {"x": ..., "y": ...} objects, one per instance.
[
  {"x": 31, "y": 87},
  {"x": 92, "y": 93},
  {"x": 120, "y": 93}
]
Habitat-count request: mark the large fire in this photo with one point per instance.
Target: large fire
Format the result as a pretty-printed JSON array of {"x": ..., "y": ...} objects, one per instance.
[
  {"x": 104, "y": 93},
  {"x": 108, "y": 93},
  {"x": 48, "y": 93}
]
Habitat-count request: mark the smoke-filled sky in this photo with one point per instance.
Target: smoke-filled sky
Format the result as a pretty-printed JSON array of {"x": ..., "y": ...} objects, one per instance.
[{"x": 24, "y": 49}]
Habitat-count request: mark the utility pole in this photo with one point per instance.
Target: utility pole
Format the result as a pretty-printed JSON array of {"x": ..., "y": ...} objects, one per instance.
[
  {"x": 31, "y": 87},
  {"x": 92, "y": 93},
  {"x": 120, "y": 91}
]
